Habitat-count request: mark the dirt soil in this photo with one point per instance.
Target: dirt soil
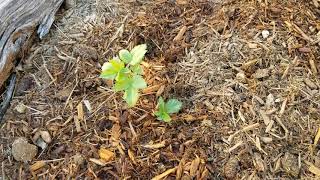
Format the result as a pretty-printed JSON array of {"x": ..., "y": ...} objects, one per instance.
[{"x": 246, "y": 71}]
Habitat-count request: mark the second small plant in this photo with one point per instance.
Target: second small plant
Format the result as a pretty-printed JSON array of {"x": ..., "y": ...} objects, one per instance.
[{"x": 165, "y": 109}]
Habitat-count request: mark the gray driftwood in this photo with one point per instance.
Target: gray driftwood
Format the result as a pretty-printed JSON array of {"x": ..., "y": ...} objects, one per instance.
[{"x": 20, "y": 20}]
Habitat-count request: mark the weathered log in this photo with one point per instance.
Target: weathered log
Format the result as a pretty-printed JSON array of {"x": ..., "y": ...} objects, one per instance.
[{"x": 20, "y": 20}]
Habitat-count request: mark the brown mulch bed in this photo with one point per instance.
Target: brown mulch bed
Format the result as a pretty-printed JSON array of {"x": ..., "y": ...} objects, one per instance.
[{"x": 246, "y": 71}]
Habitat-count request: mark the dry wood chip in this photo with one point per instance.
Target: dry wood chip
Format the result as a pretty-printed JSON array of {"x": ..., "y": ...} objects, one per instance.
[
  {"x": 240, "y": 143},
  {"x": 209, "y": 104},
  {"x": 248, "y": 64},
  {"x": 312, "y": 168},
  {"x": 316, "y": 139},
  {"x": 179, "y": 36},
  {"x": 311, "y": 84},
  {"x": 252, "y": 45},
  {"x": 266, "y": 139},
  {"x": 258, "y": 162},
  {"x": 269, "y": 126},
  {"x": 180, "y": 169},
  {"x": 283, "y": 107},
  {"x": 115, "y": 134},
  {"x": 166, "y": 173},
  {"x": 98, "y": 161},
  {"x": 313, "y": 66},
  {"x": 160, "y": 91},
  {"x": 194, "y": 166},
  {"x": 37, "y": 165},
  {"x": 258, "y": 144},
  {"x": 265, "y": 117},
  {"x": 155, "y": 146},
  {"x": 106, "y": 154},
  {"x": 77, "y": 123},
  {"x": 151, "y": 89},
  {"x": 131, "y": 156},
  {"x": 88, "y": 105}
]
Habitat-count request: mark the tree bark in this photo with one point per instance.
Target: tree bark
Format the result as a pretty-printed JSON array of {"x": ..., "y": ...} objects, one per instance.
[{"x": 20, "y": 20}]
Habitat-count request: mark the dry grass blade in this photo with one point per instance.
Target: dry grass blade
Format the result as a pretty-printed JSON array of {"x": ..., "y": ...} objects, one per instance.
[{"x": 163, "y": 175}]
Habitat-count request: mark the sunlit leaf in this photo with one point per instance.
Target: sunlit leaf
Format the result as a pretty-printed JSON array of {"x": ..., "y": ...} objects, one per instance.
[
  {"x": 138, "y": 53},
  {"x": 137, "y": 69},
  {"x": 111, "y": 69},
  {"x": 123, "y": 74},
  {"x": 161, "y": 105},
  {"x": 125, "y": 56},
  {"x": 173, "y": 106},
  {"x": 165, "y": 109},
  {"x": 124, "y": 84},
  {"x": 138, "y": 82},
  {"x": 131, "y": 96},
  {"x": 164, "y": 117}
]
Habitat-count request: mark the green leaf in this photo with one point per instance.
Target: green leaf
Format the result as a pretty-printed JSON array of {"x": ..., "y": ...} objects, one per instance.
[
  {"x": 123, "y": 74},
  {"x": 138, "y": 82},
  {"x": 123, "y": 84},
  {"x": 164, "y": 117},
  {"x": 131, "y": 96},
  {"x": 138, "y": 53},
  {"x": 173, "y": 106},
  {"x": 161, "y": 105},
  {"x": 111, "y": 69},
  {"x": 137, "y": 69},
  {"x": 125, "y": 56}
]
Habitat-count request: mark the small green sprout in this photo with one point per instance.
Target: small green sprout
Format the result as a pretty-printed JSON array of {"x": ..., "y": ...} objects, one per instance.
[
  {"x": 127, "y": 73},
  {"x": 167, "y": 108}
]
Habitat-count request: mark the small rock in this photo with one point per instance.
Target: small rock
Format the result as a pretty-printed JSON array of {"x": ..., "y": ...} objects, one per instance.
[
  {"x": 265, "y": 34},
  {"x": 241, "y": 77},
  {"x": 23, "y": 151},
  {"x": 25, "y": 83},
  {"x": 46, "y": 136},
  {"x": 290, "y": 164},
  {"x": 20, "y": 108},
  {"x": 231, "y": 168},
  {"x": 311, "y": 84},
  {"x": 78, "y": 159},
  {"x": 41, "y": 143},
  {"x": 261, "y": 73},
  {"x": 85, "y": 51},
  {"x": 68, "y": 4},
  {"x": 270, "y": 101}
]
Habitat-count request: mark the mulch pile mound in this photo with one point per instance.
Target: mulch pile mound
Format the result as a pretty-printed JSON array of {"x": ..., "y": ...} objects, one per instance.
[{"x": 246, "y": 71}]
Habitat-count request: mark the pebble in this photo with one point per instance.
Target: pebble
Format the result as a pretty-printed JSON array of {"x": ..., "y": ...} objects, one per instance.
[
  {"x": 290, "y": 164},
  {"x": 231, "y": 168},
  {"x": 23, "y": 151},
  {"x": 78, "y": 159},
  {"x": 85, "y": 51},
  {"x": 261, "y": 73},
  {"x": 70, "y": 4},
  {"x": 241, "y": 77},
  {"x": 46, "y": 136},
  {"x": 265, "y": 34},
  {"x": 270, "y": 101},
  {"x": 20, "y": 108}
]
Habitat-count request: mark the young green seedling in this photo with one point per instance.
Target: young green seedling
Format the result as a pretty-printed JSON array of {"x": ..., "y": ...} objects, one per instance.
[
  {"x": 127, "y": 72},
  {"x": 167, "y": 108}
]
